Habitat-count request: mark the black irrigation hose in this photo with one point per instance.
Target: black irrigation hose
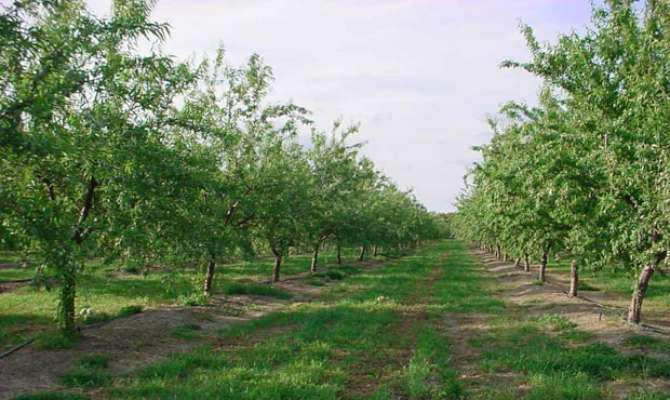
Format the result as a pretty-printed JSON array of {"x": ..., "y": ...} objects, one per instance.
[
  {"x": 17, "y": 348},
  {"x": 17, "y": 281},
  {"x": 80, "y": 328}
]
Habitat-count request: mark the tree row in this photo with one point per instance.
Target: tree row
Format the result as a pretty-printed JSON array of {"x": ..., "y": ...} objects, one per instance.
[
  {"x": 586, "y": 172},
  {"x": 113, "y": 151}
]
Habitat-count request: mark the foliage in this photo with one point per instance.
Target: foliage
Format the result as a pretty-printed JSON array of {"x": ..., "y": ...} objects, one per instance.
[
  {"x": 585, "y": 172},
  {"x": 118, "y": 153}
]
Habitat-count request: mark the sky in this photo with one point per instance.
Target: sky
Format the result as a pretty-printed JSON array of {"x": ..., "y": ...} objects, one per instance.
[{"x": 420, "y": 76}]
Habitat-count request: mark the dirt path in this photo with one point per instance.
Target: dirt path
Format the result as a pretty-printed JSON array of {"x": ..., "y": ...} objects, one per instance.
[
  {"x": 149, "y": 336},
  {"x": 383, "y": 364}
]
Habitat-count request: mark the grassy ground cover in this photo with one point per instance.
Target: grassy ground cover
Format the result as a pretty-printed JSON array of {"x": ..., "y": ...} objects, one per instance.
[
  {"x": 616, "y": 282},
  {"x": 110, "y": 289},
  {"x": 388, "y": 333}
]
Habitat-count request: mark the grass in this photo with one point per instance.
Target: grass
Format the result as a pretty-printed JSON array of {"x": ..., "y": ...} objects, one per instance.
[
  {"x": 187, "y": 331},
  {"x": 383, "y": 334},
  {"x": 256, "y": 289},
  {"x": 428, "y": 374},
  {"x": 129, "y": 310},
  {"x": 355, "y": 336},
  {"x": 556, "y": 322},
  {"x": 52, "y": 396},
  {"x": 89, "y": 372},
  {"x": 56, "y": 340},
  {"x": 19, "y": 270},
  {"x": 27, "y": 311},
  {"x": 618, "y": 282},
  {"x": 645, "y": 343},
  {"x": 550, "y": 355},
  {"x": 15, "y": 274}
]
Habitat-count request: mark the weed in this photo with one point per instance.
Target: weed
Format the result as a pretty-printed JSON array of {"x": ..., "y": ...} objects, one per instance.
[
  {"x": 187, "y": 331},
  {"x": 563, "y": 386},
  {"x": 556, "y": 322},
  {"x": 56, "y": 340},
  {"x": 583, "y": 286},
  {"x": 335, "y": 275},
  {"x": 130, "y": 310},
  {"x": 131, "y": 269},
  {"x": 88, "y": 372},
  {"x": 256, "y": 289},
  {"x": 193, "y": 300},
  {"x": 94, "y": 361},
  {"x": 85, "y": 378},
  {"x": 51, "y": 396},
  {"x": 644, "y": 342},
  {"x": 314, "y": 281}
]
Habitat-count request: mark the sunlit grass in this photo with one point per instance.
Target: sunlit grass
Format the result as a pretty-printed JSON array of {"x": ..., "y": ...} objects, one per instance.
[{"x": 110, "y": 292}]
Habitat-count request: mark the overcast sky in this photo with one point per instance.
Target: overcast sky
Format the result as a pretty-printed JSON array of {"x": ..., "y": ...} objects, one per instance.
[{"x": 420, "y": 76}]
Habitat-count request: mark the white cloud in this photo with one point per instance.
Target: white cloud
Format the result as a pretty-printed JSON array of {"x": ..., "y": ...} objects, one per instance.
[{"x": 419, "y": 75}]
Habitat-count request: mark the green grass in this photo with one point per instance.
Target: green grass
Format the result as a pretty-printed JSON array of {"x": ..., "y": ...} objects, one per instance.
[
  {"x": 563, "y": 386},
  {"x": 51, "y": 396},
  {"x": 187, "y": 332},
  {"x": 129, "y": 310},
  {"x": 89, "y": 372},
  {"x": 619, "y": 282},
  {"x": 428, "y": 374},
  {"x": 384, "y": 334},
  {"x": 556, "y": 322},
  {"x": 27, "y": 311},
  {"x": 317, "y": 350},
  {"x": 642, "y": 342},
  {"x": 56, "y": 340},
  {"x": 557, "y": 363},
  {"x": 15, "y": 274},
  {"x": 256, "y": 289}
]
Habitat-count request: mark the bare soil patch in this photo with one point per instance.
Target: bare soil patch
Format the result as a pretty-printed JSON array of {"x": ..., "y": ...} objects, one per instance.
[{"x": 8, "y": 286}]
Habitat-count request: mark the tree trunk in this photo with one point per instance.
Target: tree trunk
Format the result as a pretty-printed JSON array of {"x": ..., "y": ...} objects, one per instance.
[
  {"x": 543, "y": 266},
  {"x": 635, "y": 309},
  {"x": 276, "y": 267},
  {"x": 504, "y": 257},
  {"x": 209, "y": 277},
  {"x": 315, "y": 259},
  {"x": 339, "y": 254},
  {"x": 68, "y": 294},
  {"x": 374, "y": 251},
  {"x": 517, "y": 262},
  {"x": 497, "y": 252},
  {"x": 574, "y": 279},
  {"x": 526, "y": 262},
  {"x": 361, "y": 257}
]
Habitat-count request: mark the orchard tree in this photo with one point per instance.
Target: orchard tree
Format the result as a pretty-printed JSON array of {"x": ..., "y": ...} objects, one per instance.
[
  {"x": 594, "y": 179},
  {"x": 334, "y": 179},
  {"x": 82, "y": 129}
]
